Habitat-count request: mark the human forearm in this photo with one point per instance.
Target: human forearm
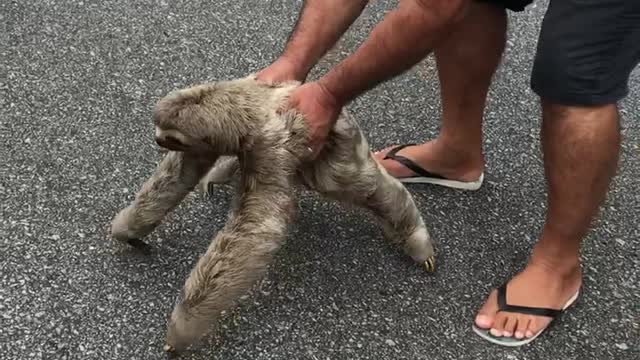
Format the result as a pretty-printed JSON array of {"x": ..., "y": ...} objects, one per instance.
[
  {"x": 401, "y": 40},
  {"x": 321, "y": 24}
]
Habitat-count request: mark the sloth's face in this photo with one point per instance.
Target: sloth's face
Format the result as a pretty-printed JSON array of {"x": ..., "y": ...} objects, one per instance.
[
  {"x": 175, "y": 140},
  {"x": 216, "y": 117},
  {"x": 183, "y": 119}
]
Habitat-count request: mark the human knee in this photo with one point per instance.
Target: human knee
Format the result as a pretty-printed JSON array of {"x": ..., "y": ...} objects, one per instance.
[{"x": 579, "y": 123}]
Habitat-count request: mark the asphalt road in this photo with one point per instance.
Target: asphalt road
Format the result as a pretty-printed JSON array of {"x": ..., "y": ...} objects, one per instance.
[{"x": 77, "y": 81}]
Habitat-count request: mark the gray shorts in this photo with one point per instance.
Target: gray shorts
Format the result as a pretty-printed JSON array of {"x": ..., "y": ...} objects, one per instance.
[{"x": 586, "y": 50}]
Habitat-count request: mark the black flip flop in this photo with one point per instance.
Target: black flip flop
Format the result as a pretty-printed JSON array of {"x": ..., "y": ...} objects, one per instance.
[
  {"x": 427, "y": 177},
  {"x": 503, "y": 306}
]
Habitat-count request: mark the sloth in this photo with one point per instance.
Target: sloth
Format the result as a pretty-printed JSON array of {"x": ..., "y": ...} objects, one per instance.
[{"x": 237, "y": 129}]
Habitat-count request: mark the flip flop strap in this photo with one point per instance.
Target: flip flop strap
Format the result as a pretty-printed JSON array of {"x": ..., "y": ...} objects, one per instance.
[
  {"x": 503, "y": 306},
  {"x": 392, "y": 154}
]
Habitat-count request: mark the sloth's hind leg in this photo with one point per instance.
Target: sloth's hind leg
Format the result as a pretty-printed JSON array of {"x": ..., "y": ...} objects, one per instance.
[{"x": 348, "y": 172}]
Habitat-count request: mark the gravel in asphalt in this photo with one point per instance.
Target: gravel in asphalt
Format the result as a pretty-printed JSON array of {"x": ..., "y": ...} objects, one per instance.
[{"x": 77, "y": 82}]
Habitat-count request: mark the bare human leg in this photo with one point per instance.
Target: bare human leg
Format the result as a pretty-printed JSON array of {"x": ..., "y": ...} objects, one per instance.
[
  {"x": 581, "y": 149},
  {"x": 581, "y": 144},
  {"x": 466, "y": 62}
]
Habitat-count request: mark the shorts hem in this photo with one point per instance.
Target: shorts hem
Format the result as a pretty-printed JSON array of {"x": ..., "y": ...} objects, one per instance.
[
  {"x": 578, "y": 99},
  {"x": 515, "y": 6}
]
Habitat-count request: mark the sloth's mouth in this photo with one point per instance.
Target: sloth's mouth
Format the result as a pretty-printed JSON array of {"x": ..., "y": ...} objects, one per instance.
[{"x": 171, "y": 143}]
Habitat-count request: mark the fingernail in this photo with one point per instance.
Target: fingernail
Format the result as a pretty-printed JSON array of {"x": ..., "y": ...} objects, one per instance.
[
  {"x": 506, "y": 334},
  {"x": 519, "y": 335},
  {"x": 495, "y": 332},
  {"x": 529, "y": 333}
]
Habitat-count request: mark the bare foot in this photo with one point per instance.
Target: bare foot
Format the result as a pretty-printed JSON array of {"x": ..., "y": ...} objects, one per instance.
[
  {"x": 538, "y": 285},
  {"x": 436, "y": 157}
]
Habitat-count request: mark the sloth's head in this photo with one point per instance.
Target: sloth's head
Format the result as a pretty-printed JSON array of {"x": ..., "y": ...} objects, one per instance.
[
  {"x": 212, "y": 117},
  {"x": 224, "y": 117}
]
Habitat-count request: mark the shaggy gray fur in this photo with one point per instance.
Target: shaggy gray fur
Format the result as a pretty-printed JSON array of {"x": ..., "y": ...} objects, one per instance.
[{"x": 236, "y": 126}]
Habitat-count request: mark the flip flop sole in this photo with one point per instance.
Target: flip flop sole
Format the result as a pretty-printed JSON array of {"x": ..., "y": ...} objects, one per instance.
[
  {"x": 427, "y": 177},
  {"x": 473, "y": 185},
  {"x": 513, "y": 342}
]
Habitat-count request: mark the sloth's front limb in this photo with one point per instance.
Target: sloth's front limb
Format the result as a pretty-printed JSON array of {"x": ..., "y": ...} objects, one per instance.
[
  {"x": 174, "y": 177},
  {"x": 237, "y": 257}
]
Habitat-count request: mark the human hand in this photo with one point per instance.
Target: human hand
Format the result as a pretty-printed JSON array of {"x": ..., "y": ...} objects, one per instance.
[
  {"x": 280, "y": 71},
  {"x": 320, "y": 111}
]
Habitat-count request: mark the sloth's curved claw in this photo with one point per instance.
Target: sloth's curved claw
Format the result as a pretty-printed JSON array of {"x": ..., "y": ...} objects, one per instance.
[{"x": 430, "y": 264}]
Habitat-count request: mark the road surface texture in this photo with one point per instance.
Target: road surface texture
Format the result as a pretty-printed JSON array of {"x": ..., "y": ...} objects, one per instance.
[{"x": 77, "y": 83}]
